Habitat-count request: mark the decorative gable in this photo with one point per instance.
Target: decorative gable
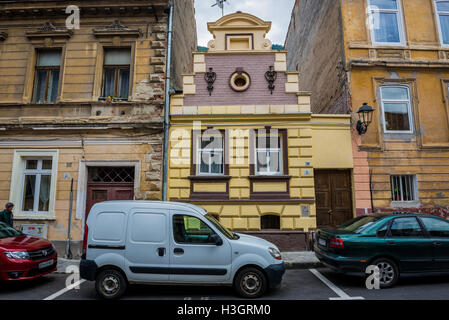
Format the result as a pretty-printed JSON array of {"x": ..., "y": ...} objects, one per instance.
[
  {"x": 115, "y": 29},
  {"x": 49, "y": 30}
]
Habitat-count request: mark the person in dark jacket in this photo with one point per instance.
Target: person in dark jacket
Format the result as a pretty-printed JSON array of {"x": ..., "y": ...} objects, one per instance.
[{"x": 6, "y": 215}]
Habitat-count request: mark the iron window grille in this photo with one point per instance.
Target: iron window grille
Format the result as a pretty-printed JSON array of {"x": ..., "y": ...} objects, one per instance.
[
  {"x": 111, "y": 174},
  {"x": 403, "y": 188}
]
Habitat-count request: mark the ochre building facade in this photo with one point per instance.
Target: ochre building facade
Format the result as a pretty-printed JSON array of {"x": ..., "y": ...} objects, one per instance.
[
  {"x": 83, "y": 105},
  {"x": 393, "y": 55}
]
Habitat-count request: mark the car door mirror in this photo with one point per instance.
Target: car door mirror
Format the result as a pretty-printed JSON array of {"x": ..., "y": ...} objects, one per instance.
[{"x": 214, "y": 238}]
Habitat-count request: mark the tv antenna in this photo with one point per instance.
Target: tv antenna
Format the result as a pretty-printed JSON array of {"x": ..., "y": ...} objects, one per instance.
[{"x": 220, "y": 4}]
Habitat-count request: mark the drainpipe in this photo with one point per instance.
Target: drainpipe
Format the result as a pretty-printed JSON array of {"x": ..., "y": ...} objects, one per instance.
[{"x": 167, "y": 103}]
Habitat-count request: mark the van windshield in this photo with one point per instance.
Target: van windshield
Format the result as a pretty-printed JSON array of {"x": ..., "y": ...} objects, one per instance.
[{"x": 228, "y": 234}]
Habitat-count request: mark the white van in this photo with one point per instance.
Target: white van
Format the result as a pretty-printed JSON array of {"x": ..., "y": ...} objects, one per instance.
[{"x": 173, "y": 243}]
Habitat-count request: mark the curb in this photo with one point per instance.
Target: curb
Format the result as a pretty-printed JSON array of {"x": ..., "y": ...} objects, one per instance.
[{"x": 302, "y": 265}]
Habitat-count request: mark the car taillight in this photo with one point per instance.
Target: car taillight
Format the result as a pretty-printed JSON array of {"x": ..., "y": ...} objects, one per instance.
[
  {"x": 336, "y": 243},
  {"x": 86, "y": 232}
]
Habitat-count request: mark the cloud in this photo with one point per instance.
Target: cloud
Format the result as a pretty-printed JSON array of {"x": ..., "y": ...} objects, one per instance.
[{"x": 276, "y": 11}]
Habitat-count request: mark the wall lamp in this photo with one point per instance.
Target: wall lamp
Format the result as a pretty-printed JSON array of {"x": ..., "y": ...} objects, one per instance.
[{"x": 365, "y": 118}]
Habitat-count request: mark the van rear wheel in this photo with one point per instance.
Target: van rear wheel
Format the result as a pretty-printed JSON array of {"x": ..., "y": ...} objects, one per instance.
[
  {"x": 110, "y": 284},
  {"x": 250, "y": 283}
]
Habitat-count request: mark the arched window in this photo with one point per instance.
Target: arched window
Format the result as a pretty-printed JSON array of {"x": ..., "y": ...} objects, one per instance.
[{"x": 270, "y": 222}]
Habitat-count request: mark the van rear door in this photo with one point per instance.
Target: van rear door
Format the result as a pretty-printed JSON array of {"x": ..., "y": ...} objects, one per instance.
[{"x": 147, "y": 245}]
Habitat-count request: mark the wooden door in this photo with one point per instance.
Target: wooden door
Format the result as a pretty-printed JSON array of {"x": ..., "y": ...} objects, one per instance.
[
  {"x": 104, "y": 192},
  {"x": 333, "y": 197}
]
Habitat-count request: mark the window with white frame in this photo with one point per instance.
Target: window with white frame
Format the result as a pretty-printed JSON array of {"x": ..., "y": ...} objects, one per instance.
[
  {"x": 268, "y": 154},
  {"x": 211, "y": 155},
  {"x": 397, "y": 109},
  {"x": 403, "y": 188},
  {"x": 442, "y": 10},
  {"x": 386, "y": 22},
  {"x": 36, "y": 185}
]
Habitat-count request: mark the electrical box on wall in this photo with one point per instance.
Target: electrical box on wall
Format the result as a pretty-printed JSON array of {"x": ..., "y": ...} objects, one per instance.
[{"x": 37, "y": 230}]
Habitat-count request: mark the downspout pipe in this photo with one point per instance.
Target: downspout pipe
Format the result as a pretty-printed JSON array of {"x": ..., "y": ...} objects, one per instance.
[{"x": 167, "y": 102}]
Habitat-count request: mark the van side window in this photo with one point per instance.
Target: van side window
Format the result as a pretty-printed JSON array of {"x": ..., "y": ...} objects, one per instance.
[{"x": 191, "y": 230}]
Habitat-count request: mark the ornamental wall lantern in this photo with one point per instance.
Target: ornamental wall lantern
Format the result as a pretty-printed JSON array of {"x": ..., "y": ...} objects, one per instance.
[
  {"x": 365, "y": 118},
  {"x": 210, "y": 78},
  {"x": 271, "y": 76}
]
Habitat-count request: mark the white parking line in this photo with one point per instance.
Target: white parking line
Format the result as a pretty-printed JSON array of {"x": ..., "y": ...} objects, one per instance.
[
  {"x": 341, "y": 294},
  {"x": 61, "y": 292}
]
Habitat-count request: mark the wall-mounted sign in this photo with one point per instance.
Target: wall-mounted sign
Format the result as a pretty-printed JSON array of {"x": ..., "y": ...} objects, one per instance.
[
  {"x": 37, "y": 230},
  {"x": 304, "y": 211}
]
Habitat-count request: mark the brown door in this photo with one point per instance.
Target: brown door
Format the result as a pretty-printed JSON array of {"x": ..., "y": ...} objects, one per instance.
[
  {"x": 333, "y": 197},
  {"x": 109, "y": 184}
]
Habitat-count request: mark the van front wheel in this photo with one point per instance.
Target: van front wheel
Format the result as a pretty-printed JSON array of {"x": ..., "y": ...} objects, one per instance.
[
  {"x": 110, "y": 284},
  {"x": 250, "y": 283}
]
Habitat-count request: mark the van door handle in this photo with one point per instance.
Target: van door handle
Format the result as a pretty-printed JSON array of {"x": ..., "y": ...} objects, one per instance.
[
  {"x": 391, "y": 243},
  {"x": 178, "y": 251},
  {"x": 161, "y": 252},
  {"x": 437, "y": 243}
]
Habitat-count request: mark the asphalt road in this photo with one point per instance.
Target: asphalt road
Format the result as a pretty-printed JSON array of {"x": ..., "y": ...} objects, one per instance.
[{"x": 322, "y": 284}]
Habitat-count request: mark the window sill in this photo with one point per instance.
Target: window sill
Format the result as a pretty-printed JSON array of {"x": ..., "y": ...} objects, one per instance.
[
  {"x": 270, "y": 178},
  {"x": 209, "y": 178},
  {"x": 405, "y": 204},
  {"x": 34, "y": 217}
]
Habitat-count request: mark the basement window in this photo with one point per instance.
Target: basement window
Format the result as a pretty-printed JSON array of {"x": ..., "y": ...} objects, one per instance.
[
  {"x": 403, "y": 188},
  {"x": 270, "y": 222}
]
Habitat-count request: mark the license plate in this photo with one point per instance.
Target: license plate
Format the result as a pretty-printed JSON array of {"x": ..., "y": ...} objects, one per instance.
[
  {"x": 321, "y": 242},
  {"x": 45, "y": 264}
]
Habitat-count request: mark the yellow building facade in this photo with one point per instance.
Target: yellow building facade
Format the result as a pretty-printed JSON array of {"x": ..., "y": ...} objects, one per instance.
[{"x": 244, "y": 144}]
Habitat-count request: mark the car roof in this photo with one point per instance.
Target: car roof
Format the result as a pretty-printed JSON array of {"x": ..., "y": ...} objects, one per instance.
[
  {"x": 405, "y": 214},
  {"x": 130, "y": 203}
]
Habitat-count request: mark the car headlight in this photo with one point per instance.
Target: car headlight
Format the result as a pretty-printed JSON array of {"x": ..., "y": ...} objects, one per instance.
[
  {"x": 275, "y": 253},
  {"x": 21, "y": 255}
]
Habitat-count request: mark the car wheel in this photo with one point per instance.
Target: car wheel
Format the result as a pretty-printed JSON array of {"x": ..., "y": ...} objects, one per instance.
[
  {"x": 110, "y": 284},
  {"x": 389, "y": 272},
  {"x": 250, "y": 283}
]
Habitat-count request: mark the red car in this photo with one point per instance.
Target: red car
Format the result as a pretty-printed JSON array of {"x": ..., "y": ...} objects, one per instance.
[{"x": 24, "y": 257}]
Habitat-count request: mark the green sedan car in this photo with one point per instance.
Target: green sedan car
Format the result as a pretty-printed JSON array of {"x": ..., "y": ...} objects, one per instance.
[{"x": 396, "y": 243}]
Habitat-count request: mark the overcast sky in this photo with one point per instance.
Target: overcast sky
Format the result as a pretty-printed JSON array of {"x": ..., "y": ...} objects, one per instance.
[{"x": 276, "y": 11}]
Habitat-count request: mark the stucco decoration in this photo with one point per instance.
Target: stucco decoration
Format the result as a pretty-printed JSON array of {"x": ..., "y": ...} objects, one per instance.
[
  {"x": 49, "y": 30},
  {"x": 117, "y": 28},
  {"x": 240, "y": 80},
  {"x": 232, "y": 25}
]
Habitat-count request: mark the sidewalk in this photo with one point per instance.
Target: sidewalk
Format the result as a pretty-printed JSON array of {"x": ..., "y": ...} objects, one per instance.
[{"x": 292, "y": 260}]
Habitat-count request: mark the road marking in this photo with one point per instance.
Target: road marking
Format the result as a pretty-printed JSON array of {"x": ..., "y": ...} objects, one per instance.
[
  {"x": 61, "y": 292},
  {"x": 341, "y": 294}
]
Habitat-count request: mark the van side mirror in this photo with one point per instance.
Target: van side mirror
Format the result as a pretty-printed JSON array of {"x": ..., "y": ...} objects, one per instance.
[{"x": 215, "y": 238}]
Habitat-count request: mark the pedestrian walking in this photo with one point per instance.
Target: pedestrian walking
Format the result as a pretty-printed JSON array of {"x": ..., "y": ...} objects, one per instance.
[{"x": 6, "y": 215}]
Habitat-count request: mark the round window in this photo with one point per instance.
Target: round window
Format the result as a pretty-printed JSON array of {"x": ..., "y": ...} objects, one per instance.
[{"x": 240, "y": 81}]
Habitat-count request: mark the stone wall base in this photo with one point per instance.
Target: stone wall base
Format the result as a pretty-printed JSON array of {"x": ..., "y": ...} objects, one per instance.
[{"x": 284, "y": 240}]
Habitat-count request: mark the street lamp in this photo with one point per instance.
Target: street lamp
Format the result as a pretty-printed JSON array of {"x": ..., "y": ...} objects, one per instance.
[{"x": 366, "y": 117}]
